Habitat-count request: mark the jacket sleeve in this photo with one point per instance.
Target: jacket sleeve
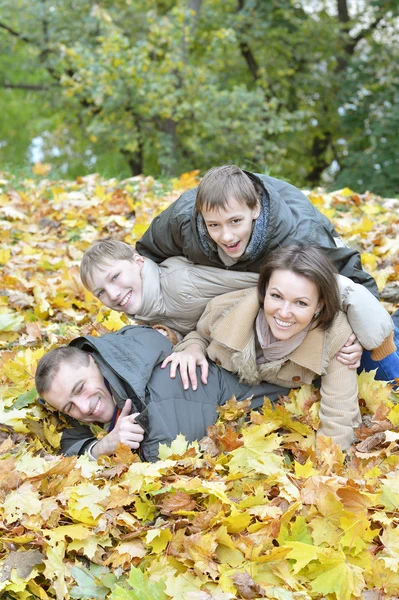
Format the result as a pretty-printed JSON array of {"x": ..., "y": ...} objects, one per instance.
[
  {"x": 76, "y": 439},
  {"x": 339, "y": 406},
  {"x": 359, "y": 304},
  {"x": 201, "y": 335},
  {"x": 162, "y": 239},
  {"x": 348, "y": 263}
]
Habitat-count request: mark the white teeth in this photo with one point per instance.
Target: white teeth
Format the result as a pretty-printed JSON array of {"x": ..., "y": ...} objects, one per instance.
[
  {"x": 125, "y": 299},
  {"x": 97, "y": 406},
  {"x": 283, "y": 323}
]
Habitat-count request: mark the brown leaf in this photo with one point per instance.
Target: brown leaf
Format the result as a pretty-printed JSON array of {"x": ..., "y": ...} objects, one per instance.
[
  {"x": 174, "y": 502},
  {"x": 246, "y": 586},
  {"x": 372, "y": 442}
]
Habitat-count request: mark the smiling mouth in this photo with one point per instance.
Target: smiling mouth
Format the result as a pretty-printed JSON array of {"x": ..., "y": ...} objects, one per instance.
[
  {"x": 232, "y": 247},
  {"x": 97, "y": 407},
  {"x": 283, "y": 324},
  {"x": 126, "y": 299}
]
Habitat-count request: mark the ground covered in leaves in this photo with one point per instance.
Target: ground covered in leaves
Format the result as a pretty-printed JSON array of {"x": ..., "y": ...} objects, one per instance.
[{"x": 250, "y": 512}]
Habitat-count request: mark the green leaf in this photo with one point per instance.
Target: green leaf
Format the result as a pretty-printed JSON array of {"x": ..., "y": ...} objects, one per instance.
[
  {"x": 11, "y": 322},
  {"x": 90, "y": 582},
  {"x": 142, "y": 588},
  {"x": 25, "y": 399}
]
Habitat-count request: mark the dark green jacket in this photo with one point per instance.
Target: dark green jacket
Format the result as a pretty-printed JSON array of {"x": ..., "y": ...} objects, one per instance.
[
  {"x": 130, "y": 360},
  {"x": 291, "y": 218}
]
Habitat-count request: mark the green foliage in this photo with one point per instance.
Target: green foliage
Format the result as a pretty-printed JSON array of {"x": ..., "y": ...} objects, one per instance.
[{"x": 154, "y": 87}]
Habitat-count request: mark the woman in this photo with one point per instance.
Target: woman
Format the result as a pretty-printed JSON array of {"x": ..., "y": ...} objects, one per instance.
[{"x": 286, "y": 331}]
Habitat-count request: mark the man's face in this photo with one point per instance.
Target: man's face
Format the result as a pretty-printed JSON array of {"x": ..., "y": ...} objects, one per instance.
[
  {"x": 81, "y": 393},
  {"x": 231, "y": 227},
  {"x": 119, "y": 285}
]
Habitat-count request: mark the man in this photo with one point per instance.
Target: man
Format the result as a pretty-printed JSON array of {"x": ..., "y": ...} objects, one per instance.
[{"x": 116, "y": 380}]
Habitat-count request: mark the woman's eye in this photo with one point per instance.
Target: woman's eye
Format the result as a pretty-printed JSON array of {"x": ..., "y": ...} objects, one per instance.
[
  {"x": 275, "y": 295},
  {"x": 79, "y": 390},
  {"x": 115, "y": 276},
  {"x": 100, "y": 293},
  {"x": 212, "y": 225},
  {"x": 301, "y": 303}
]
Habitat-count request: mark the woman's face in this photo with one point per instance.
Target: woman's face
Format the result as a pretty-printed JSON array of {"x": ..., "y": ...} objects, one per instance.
[{"x": 291, "y": 302}]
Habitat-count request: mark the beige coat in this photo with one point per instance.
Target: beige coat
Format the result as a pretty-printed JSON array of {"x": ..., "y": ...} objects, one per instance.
[
  {"x": 226, "y": 333},
  {"x": 176, "y": 292}
]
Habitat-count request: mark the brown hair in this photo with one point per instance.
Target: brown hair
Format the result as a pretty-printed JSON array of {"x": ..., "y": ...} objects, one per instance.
[
  {"x": 310, "y": 262},
  {"x": 49, "y": 365},
  {"x": 101, "y": 254},
  {"x": 220, "y": 184}
]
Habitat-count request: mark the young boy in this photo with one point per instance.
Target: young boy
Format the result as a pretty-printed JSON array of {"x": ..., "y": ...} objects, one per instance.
[{"x": 175, "y": 293}]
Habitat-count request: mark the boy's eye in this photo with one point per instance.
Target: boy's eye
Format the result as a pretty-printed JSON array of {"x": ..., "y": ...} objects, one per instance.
[
  {"x": 235, "y": 221},
  {"x": 212, "y": 225},
  {"x": 68, "y": 408},
  {"x": 100, "y": 293}
]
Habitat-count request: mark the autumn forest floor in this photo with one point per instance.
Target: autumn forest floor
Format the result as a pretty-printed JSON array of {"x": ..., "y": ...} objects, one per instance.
[{"x": 251, "y": 512}]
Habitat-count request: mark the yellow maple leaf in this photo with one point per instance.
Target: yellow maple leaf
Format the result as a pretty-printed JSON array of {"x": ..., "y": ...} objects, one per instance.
[
  {"x": 158, "y": 539},
  {"x": 23, "y": 501},
  {"x": 371, "y": 391}
]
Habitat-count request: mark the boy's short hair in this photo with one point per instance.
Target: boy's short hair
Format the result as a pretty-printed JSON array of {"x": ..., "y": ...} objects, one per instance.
[
  {"x": 101, "y": 254},
  {"x": 220, "y": 184},
  {"x": 49, "y": 365}
]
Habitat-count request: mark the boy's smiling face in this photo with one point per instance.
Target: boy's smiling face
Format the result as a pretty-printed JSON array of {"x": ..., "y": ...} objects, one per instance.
[
  {"x": 119, "y": 285},
  {"x": 231, "y": 227}
]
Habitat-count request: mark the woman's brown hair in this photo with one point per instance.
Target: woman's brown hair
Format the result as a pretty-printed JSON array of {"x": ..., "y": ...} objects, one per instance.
[{"x": 310, "y": 262}]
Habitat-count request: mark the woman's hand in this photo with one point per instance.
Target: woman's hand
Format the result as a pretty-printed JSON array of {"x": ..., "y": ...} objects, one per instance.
[
  {"x": 351, "y": 353},
  {"x": 126, "y": 431},
  {"x": 188, "y": 360}
]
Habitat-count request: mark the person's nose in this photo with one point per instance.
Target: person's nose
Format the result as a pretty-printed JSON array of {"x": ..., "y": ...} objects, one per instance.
[
  {"x": 113, "y": 292},
  {"x": 285, "y": 310},
  {"x": 83, "y": 404},
  {"x": 226, "y": 235}
]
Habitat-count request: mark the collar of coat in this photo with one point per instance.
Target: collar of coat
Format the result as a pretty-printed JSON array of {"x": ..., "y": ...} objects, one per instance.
[
  {"x": 152, "y": 299},
  {"x": 236, "y": 330}
]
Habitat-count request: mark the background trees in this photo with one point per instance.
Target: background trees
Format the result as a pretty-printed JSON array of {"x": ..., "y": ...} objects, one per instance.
[{"x": 304, "y": 90}]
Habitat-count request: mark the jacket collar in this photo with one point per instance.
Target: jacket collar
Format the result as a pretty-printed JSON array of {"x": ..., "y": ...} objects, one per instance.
[
  {"x": 237, "y": 329},
  {"x": 152, "y": 300}
]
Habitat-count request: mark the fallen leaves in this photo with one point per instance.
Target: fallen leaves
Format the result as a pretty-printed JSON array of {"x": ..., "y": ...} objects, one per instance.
[{"x": 250, "y": 511}]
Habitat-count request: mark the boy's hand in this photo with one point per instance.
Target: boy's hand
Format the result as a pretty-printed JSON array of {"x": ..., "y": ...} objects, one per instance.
[
  {"x": 351, "y": 353},
  {"x": 126, "y": 431},
  {"x": 188, "y": 360}
]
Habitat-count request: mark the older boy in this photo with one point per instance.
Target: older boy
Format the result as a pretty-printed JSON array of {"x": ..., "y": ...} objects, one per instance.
[{"x": 235, "y": 217}]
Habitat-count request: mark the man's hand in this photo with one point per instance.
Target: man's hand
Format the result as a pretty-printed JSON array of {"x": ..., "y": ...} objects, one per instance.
[
  {"x": 351, "y": 353},
  {"x": 188, "y": 360},
  {"x": 126, "y": 431}
]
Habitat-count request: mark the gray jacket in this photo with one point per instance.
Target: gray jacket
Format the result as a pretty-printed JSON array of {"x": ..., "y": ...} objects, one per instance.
[
  {"x": 129, "y": 360},
  {"x": 291, "y": 217}
]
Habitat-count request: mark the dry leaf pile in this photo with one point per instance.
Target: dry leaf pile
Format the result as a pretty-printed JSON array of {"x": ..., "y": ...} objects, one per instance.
[{"x": 248, "y": 512}]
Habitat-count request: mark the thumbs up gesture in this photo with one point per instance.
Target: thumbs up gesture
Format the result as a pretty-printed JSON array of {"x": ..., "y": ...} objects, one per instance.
[{"x": 126, "y": 431}]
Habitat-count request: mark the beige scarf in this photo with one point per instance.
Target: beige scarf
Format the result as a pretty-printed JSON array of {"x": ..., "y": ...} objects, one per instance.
[{"x": 270, "y": 348}]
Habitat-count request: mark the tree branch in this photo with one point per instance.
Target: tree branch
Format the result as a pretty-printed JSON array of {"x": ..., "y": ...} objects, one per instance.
[
  {"x": 26, "y": 86},
  {"x": 15, "y": 33}
]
